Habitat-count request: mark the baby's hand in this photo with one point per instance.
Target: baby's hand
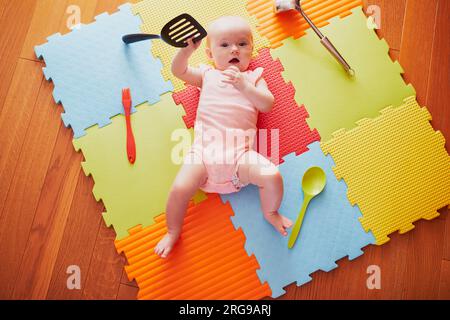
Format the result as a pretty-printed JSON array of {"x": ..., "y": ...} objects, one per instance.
[
  {"x": 191, "y": 46},
  {"x": 235, "y": 78}
]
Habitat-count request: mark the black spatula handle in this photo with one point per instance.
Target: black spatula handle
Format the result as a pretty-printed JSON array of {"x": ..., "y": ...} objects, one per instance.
[{"x": 135, "y": 37}]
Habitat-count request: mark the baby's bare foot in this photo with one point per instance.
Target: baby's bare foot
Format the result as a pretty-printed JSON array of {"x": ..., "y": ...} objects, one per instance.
[
  {"x": 165, "y": 245},
  {"x": 279, "y": 222}
]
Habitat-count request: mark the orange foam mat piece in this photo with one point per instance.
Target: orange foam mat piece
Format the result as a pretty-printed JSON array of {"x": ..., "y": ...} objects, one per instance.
[
  {"x": 277, "y": 27},
  {"x": 208, "y": 262}
]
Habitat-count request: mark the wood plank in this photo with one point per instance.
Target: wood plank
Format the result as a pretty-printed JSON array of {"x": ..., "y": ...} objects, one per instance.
[
  {"x": 78, "y": 242},
  {"x": 424, "y": 260},
  {"x": 394, "y": 54},
  {"x": 438, "y": 99},
  {"x": 50, "y": 17},
  {"x": 438, "y": 93},
  {"x": 105, "y": 270},
  {"x": 392, "y": 15},
  {"x": 124, "y": 279},
  {"x": 14, "y": 25},
  {"x": 20, "y": 189},
  {"x": 127, "y": 292},
  {"x": 50, "y": 219},
  {"x": 290, "y": 293},
  {"x": 416, "y": 57},
  {"x": 417, "y": 39},
  {"x": 391, "y": 258},
  {"x": 444, "y": 284},
  {"x": 446, "y": 250},
  {"x": 14, "y": 120},
  {"x": 347, "y": 281},
  {"x": 3, "y": 4}
]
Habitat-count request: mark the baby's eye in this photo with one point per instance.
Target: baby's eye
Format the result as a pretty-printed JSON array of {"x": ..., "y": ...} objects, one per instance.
[
  {"x": 243, "y": 44},
  {"x": 224, "y": 45}
]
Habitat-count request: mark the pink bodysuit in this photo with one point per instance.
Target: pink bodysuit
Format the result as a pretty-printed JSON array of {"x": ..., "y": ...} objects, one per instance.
[{"x": 224, "y": 130}]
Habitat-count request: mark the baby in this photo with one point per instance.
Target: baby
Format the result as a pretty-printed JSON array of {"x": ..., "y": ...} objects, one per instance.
[{"x": 231, "y": 97}]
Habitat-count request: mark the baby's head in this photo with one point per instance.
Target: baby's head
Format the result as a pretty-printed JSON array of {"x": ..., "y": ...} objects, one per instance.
[{"x": 230, "y": 43}]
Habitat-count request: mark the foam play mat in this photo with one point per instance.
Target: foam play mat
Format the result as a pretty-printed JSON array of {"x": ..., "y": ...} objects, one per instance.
[
  {"x": 396, "y": 168},
  {"x": 287, "y": 117},
  {"x": 333, "y": 99},
  {"x": 209, "y": 262},
  {"x": 90, "y": 66},
  {"x": 330, "y": 231},
  {"x": 154, "y": 16},
  {"x": 133, "y": 194}
]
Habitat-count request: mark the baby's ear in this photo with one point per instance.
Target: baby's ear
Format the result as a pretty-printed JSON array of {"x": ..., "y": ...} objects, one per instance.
[{"x": 209, "y": 53}]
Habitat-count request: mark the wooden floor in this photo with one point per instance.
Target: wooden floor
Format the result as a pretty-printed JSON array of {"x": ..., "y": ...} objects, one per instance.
[{"x": 50, "y": 220}]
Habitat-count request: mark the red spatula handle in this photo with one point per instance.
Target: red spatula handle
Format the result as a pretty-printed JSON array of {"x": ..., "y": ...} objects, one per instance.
[{"x": 131, "y": 145}]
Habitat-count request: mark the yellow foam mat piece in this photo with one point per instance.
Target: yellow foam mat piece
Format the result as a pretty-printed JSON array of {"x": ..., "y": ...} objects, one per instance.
[
  {"x": 396, "y": 167},
  {"x": 155, "y": 14},
  {"x": 134, "y": 194},
  {"x": 278, "y": 27}
]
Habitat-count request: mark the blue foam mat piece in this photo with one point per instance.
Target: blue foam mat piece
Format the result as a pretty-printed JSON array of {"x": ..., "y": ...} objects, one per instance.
[
  {"x": 90, "y": 65},
  {"x": 330, "y": 231}
]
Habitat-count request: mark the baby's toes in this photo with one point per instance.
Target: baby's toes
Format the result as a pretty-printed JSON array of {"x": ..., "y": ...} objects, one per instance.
[
  {"x": 287, "y": 223},
  {"x": 166, "y": 252},
  {"x": 159, "y": 248},
  {"x": 281, "y": 228}
]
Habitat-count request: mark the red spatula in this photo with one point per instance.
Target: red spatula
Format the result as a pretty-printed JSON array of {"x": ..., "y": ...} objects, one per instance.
[{"x": 131, "y": 145}]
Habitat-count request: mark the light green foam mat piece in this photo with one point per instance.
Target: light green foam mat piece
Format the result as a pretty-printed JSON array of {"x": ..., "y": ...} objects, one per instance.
[
  {"x": 134, "y": 194},
  {"x": 333, "y": 99}
]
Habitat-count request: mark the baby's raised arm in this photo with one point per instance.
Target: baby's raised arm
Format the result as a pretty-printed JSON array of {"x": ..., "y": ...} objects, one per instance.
[{"x": 181, "y": 68}]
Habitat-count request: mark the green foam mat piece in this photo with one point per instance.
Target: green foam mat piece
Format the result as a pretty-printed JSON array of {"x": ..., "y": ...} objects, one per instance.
[
  {"x": 134, "y": 194},
  {"x": 333, "y": 99}
]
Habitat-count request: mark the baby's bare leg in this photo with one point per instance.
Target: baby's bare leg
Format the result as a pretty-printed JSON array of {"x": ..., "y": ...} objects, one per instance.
[
  {"x": 188, "y": 180},
  {"x": 256, "y": 169}
]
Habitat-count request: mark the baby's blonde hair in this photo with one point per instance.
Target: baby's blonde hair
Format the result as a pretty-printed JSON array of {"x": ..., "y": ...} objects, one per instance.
[{"x": 217, "y": 21}]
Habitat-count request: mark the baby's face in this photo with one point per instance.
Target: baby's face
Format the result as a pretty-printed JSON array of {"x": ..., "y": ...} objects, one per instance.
[{"x": 230, "y": 43}]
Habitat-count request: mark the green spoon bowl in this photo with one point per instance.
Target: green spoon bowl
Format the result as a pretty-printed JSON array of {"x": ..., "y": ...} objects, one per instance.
[{"x": 314, "y": 181}]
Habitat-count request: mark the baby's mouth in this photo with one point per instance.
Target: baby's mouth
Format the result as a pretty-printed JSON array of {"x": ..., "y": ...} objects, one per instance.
[{"x": 234, "y": 60}]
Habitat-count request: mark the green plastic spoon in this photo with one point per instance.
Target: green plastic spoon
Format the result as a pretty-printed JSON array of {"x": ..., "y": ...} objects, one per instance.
[{"x": 313, "y": 182}]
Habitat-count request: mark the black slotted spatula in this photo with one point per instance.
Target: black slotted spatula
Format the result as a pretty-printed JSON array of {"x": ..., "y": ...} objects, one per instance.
[{"x": 175, "y": 32}]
